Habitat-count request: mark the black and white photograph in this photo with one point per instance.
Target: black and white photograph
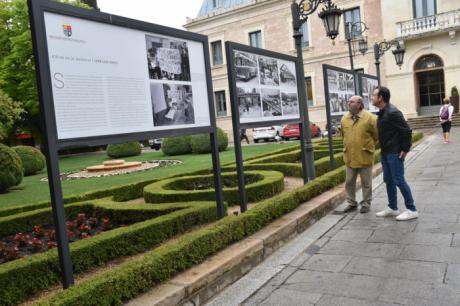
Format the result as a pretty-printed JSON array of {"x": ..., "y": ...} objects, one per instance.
[
  {"x": 172, "y": 104},
  {"x": 340, "y": 88},
  {"x": 367, "y": 87},
  {"x": 350, "y": 83},
  {"x": 332, "y": 80},
  {"x": 246, "y": 68},
  {"x": 271, "y": 102},
  {"x": 249, "y": 104},
  {"x": 290, "y": 103},
  {"x": 287, "y": 74},
  {"x": 167, "y": 59},
  {"x": 268, "y": 71}
]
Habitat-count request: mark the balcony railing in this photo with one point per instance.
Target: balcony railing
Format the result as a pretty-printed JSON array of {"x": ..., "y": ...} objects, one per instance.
[{"x": 440, "y": 22}]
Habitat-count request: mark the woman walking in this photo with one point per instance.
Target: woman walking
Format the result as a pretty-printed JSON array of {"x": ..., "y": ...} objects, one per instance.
[{"x": 445, "y": 117}]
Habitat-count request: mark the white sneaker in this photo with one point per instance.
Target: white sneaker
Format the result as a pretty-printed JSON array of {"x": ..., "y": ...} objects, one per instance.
[
  {"x": 407, "y": 215},
  {"x": 387, "y": 212}
]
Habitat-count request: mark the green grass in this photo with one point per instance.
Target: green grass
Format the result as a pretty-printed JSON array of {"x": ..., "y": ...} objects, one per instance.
[{"x": 32, "y": 190}]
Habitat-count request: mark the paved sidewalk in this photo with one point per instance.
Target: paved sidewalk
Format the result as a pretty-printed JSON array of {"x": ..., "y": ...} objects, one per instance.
[{"x": 364, "y": 260}]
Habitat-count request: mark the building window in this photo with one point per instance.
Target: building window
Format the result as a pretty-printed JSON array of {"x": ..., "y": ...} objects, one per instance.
[
  {"x": 305, "y": 38},
  {"x": 221, "y": 106},
  {"x": 214, "y": 3},
  {"x": 309, "y": 88},
  {"x": 255, "y": 39},
  {"x": 353, "y": 16},
  {"x": 424, "y": 8},
  {"x": 216, "y": 49}
]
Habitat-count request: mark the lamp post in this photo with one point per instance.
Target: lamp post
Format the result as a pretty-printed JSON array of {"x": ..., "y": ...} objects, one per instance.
[
  {"x": 382, "y": 47},
  {"x": 352, "y": 30},
  {"x": 330, "y": 16}
]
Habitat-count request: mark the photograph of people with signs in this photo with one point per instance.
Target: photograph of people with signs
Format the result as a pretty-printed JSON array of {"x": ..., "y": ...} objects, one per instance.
[
  {"x": 340, "y": 88},
  {"x": 246, "y": 70},
  {"x": 249, "y": 102},
  {"x": 290, "y": 103},
  {"x": 271, "y": 102},
  {"x": 172, "y": 104},
  {"x": 167, "y": 59},
  {"x": 268, "y": 71}
]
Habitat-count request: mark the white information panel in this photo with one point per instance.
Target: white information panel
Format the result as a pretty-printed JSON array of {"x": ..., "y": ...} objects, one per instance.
[
  {"x": 110, "y": 80},
  {"x": 367, "y": 87},
  {"x": 266, "y": 88}
]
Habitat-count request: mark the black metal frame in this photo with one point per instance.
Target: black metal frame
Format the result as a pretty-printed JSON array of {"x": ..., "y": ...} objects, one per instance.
[
  {"x": 230, "y": 47},
  {"x": 37, "y": 8},
  {"x": 328, "y": 107}
]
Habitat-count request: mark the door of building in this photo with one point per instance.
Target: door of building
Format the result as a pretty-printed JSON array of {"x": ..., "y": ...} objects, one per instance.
[{"x": 430, "y": 82}]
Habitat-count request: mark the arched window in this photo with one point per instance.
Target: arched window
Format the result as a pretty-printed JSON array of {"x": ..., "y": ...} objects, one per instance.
[
  {"x": 429, "y": 61},
  {"x": 430, "y": 76}
]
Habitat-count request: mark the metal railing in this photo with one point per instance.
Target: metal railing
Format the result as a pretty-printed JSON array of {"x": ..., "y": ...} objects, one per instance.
[{"x": 427, "y": 24}]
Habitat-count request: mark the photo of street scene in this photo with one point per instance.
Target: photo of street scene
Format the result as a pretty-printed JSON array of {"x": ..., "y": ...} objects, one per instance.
[
  {"x": 167, "y": 59},
  {"x": 249, "y": 102},
  {"x": 172, "y": 104},
  {"x": 268, "y": 71},
  {"x": 271, "y": 102},
  {"x": 340, "y": 88},
  {"x": 246, "y": 70},
  {"x": 287, "y": 74},
  {"x": 367, "y": 87},
  {"x": 290, "y": 103}
]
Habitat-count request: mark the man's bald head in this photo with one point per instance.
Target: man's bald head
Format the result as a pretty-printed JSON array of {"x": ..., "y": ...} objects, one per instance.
[{"x": 355, "y": 104}]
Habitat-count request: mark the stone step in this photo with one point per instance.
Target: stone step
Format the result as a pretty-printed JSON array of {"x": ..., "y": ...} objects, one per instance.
[{"x": 430, "y": 121}]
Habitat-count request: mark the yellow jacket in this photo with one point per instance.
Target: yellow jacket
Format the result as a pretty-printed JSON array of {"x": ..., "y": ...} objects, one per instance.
[{"x": 359, "y": 139}]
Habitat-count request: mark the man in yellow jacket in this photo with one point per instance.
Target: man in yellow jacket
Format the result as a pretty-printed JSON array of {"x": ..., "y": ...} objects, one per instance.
[{"x": 360, "y": 134}]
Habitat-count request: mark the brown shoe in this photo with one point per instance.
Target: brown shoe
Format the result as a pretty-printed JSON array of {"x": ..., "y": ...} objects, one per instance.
[
  {"x": 350, "y": 208},
  {"x": 364, "y": 209}
]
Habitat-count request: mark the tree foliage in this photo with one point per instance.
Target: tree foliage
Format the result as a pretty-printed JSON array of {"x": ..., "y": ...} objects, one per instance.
[
  {"x": 10, "y": 112},
  {"x": 17, "y": 66}
]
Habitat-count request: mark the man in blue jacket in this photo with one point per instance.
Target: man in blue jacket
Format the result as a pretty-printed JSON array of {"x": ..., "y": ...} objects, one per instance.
[{"x": 395, "y": 137}]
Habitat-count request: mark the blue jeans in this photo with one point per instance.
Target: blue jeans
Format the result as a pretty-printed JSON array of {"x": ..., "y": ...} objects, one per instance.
[{"x": 393, "y": 175}]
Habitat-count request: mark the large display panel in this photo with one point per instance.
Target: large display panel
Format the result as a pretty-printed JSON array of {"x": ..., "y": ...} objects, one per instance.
[
  {"x": 266, "y": 86},
  {"x": 367, "y": 84},
  {"x": 108, "y": 79},
  {"x": 340, "y": 87}
]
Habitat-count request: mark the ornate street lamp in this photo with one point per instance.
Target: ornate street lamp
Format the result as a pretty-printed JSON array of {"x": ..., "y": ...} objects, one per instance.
[
  {"x": 352, "y": 32},
  {"x": 331, "y": 21},
  {"x": 385, "y": 45}
]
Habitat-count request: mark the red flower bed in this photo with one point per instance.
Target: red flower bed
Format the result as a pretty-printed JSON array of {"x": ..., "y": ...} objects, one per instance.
[{"x": 41, "y": 239}]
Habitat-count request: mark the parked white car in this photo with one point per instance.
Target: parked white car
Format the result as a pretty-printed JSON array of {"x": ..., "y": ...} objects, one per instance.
[{"x": 267, "y": 133}]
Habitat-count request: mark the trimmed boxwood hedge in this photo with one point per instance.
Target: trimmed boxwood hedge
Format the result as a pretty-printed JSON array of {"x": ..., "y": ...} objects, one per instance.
[
  {"x": 11, "y": 168},
  {"x": 164, "y": 191},
  {"x": 21, "y": 278},
  {"x": 32, "y": 159},
  {"x": 176, "y": 145},
  {"x": 129, "y": 279},
  {"x": 201, "y": 143},
  {"x": 124, "y": 149}
]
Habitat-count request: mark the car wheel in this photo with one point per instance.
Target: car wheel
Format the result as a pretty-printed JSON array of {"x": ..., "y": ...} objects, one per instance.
[{"x": 256, "y": 140}]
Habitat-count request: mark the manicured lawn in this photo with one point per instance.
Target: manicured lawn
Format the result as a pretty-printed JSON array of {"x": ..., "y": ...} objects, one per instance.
[{"x": 33, "y": 190}]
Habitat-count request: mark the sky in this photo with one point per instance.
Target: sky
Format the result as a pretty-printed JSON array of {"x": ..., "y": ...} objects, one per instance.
[{"x": 171, "y": 13}]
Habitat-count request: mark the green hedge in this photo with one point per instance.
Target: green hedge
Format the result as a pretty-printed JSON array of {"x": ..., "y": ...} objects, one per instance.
[
  {"x": 19, "y": 279},
  {"x": 129, "y": 279},
  {"x": 11, "y": 168},
  {"x": 164, "y": 191},
  {"x": 201, "y": 143},
  {"x": 32, "y": 159},
  {"x": 176, "y": 145},
  {"x": 124, "y": 149}
]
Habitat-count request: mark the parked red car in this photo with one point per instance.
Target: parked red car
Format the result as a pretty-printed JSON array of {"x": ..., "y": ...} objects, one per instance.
[{"x": 293, "y": 131}]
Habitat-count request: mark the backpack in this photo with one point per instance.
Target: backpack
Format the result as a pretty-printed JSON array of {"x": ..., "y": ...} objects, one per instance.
[{"x": 444, "y": 113}]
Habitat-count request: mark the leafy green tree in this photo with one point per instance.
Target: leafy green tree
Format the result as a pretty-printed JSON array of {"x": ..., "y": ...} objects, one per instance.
[
  {"x": 10, "y": 112},
  {"x": 17, "y": 66}
]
